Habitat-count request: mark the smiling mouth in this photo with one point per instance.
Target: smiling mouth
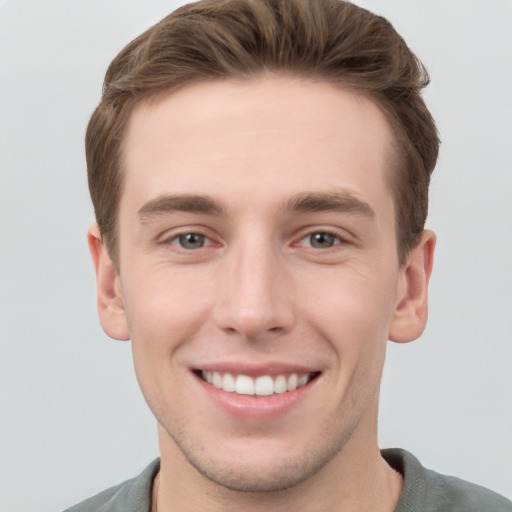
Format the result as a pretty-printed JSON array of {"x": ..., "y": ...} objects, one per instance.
[{"x": 264, "y": 385}]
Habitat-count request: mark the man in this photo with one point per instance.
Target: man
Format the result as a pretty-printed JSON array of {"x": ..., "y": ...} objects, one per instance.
[{"x": 259, "y": 172}]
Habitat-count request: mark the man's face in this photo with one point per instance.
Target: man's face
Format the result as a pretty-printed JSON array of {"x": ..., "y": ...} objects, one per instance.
[{"x": 258, "y": 252}]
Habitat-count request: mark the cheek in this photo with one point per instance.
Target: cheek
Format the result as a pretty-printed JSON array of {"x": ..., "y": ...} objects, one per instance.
[
  {"x": 354, "y": 304},
  {"x": 163, "y": 316},
  {"x": 352, "y": 314},
  {"x": 164, "y": 310}
]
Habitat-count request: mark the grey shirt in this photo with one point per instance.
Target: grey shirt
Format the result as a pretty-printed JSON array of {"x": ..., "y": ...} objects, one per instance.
[{"x": 424, "y": 491}]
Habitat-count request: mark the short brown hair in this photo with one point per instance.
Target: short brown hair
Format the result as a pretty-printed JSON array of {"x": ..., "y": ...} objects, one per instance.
[{"x": 328, "y": 40}]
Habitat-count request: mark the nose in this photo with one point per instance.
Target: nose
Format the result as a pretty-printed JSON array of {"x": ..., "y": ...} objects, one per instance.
[{"x": 255, "y": 295}]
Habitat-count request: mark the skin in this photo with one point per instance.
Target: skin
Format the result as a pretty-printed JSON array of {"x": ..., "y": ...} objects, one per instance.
[{"x": 261, "y": 291}]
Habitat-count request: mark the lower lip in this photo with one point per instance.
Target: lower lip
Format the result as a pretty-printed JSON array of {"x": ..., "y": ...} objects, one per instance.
[{"x": 254, "y": 408}]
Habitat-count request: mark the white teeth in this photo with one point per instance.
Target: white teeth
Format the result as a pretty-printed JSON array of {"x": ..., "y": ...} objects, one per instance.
[
  {"x": 302, "y": 380},
  {"x": 217, "y": 380},
  {"x": 244, "y": 385},
  {"x": 264, "y": 385},
  {"x": 280, "y": 384},
  {"x": 292, "y": 382},
  {"x": 228, "y": 382}
]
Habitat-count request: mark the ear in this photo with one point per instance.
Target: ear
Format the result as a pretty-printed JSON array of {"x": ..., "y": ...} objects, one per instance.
[
  {"x": 110, "y": 298},
  {"x": 411, "y": 310}
]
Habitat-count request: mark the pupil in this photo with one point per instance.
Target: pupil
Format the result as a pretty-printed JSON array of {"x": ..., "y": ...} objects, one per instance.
[
  {"x": 192, "y": 241},
  {"x": 322, "y": 240}
]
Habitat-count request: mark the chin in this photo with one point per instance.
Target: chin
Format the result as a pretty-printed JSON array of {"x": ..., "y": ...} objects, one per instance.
[
  {"x": 262, "y": 467},
  {"x": 260, "y": 478}
]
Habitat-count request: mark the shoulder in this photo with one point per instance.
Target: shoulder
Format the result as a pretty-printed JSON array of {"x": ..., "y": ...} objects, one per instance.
[
  {"x": 427, "y": 491},
  {"x": 131, "y": 496},
  {"x": 465, "y": 496}
]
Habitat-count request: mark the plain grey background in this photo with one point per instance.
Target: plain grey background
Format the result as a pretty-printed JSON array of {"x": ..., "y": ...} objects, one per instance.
[{"x": 72, "y": 419}]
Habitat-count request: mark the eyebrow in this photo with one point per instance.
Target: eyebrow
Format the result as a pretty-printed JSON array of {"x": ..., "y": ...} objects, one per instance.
[
  {"x": 179, "y": 203},
  {"x": 306, "y": 202},
  {"x": 342, "y": 202}
]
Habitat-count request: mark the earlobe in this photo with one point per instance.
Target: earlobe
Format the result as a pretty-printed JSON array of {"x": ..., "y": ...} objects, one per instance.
[
  {"x": 110, "y": 300},
  {"x": 411, "y": 311}
]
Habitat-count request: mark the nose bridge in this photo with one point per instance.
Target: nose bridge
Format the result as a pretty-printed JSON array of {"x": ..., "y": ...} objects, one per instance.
[{"x": 254, "y": 300}]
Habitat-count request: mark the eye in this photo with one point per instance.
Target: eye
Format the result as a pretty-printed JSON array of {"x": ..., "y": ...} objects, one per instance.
[
  {"x": 320, "y": 240},
  {"x": 190, "y": 241}
]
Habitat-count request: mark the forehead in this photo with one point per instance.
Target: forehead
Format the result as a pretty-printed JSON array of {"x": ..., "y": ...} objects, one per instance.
[{"x": 243, "y": 136}]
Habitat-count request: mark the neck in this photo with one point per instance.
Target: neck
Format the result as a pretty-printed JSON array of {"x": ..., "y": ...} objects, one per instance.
[{"x": 357, "y": 479}]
